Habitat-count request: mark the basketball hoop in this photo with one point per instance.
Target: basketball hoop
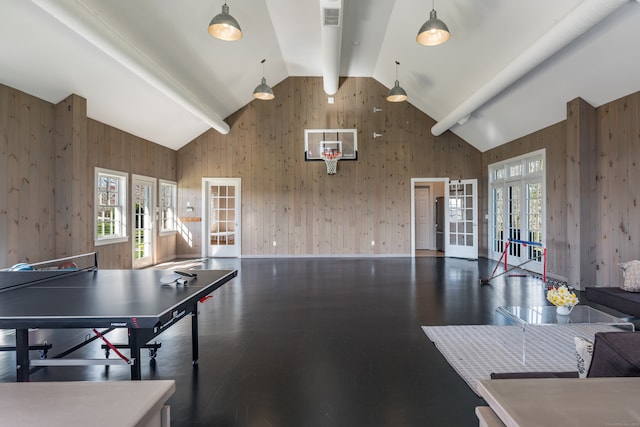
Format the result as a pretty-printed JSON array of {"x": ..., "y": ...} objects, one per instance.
[{"x": 331, "y": 158}]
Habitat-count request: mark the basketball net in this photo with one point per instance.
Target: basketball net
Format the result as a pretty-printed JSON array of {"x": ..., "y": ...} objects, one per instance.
[{"x": 331, "y": 160}]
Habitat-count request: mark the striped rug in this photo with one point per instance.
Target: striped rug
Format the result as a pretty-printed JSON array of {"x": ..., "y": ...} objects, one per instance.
[{"x": 476, "y": 351}]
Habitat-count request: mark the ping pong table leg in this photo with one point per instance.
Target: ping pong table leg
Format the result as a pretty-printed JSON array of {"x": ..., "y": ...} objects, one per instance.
[
  {"x": 194, "y": 334},
  {"x": 22, "y": 355},
  {"x": 134, "y": 346}
]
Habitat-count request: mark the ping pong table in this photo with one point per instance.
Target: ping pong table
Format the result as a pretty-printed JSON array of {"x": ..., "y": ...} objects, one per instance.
[{"x": 132, "y": 299}]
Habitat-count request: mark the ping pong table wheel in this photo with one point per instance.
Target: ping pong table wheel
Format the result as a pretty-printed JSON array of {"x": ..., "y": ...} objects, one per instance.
[
  {"x": 153, "y": 349},
  {"x": 44, "y": 351}
]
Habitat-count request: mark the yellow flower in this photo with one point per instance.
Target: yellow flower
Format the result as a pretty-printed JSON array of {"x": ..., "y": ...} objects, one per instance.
[{"x": 561, "y": 295}]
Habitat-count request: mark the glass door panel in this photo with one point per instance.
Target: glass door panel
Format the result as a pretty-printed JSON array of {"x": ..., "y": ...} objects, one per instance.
[
  {"x": 143, "y": 229},
  {"x": 222, "y": 222},
  {"x": 463, "y": 225}
]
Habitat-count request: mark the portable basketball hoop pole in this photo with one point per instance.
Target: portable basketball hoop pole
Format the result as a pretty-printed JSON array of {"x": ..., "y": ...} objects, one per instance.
[{"x": 505, "y": 255}]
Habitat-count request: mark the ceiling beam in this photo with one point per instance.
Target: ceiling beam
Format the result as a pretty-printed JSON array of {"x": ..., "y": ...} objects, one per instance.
[
  {"x": 585, "y": 16},
  {"x": 86, "y": 23},
  {"x": 331, "y": 36}
]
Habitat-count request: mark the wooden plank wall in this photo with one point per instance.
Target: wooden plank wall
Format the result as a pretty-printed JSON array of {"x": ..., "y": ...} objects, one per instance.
[
  {"x": 27, "y": 214},
  {"x": 292, "y": 201},
  {"x": 296, "y": 203},
  {"x": 610, "y": 225},
  {"x": 617, "y": 191},
  {"x": 580, "y": 166},
  {"x": 73, "y": 226},
  {"x": 48, "y": 155},
  {"x": 554, "y": 140},
  {"x": 114, "y": 149}
]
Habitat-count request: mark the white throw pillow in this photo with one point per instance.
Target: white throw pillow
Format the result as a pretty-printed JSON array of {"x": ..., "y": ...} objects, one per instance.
[
  {"x": 631, "y": 274},
  {"x": 584, "y": 352}
]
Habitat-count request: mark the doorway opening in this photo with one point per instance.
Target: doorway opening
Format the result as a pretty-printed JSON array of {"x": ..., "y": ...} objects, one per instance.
[
  {"x": 444, "y": 215},
  {"x": 143, "y": 221},
  {"x": 222, "y": 222},
  {"x": 428, "y": 216}
]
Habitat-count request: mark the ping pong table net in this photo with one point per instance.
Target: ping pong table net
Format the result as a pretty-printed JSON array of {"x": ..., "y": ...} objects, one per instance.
[
  {"x": 82, "y": 262},
  {"x": 26, "y": 274}
]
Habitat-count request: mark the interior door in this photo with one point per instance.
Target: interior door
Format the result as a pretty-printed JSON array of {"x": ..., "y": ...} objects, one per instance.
[
  {"x": 222, "y": 225},
  {"x": 424, "y": 219},
  {"x": 142, "y": 224},
  {"x": 462, "y": 233}
]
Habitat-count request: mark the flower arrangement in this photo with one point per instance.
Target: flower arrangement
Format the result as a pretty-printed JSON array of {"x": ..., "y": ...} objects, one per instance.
[{"x": 562, "y": 296}]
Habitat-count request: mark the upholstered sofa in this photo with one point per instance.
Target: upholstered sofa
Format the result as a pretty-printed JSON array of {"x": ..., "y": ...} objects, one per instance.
[
  {"x": 616, "y": 298},
  {"x": 626, "y": 298}
]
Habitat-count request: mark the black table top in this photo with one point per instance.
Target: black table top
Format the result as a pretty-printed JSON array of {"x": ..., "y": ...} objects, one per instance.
[{"x": 101, "y": 298}]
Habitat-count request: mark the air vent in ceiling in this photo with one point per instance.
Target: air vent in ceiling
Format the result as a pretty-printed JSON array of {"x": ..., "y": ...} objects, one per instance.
[{"x": 331, "y": 17}]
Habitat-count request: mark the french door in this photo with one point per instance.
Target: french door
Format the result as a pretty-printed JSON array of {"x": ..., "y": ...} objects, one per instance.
[
  {"x": 222, "y": 233},
  {"x": 516, "y": 209},
  {"x": 462, "y": 232},
  {"x": 143, "y": 218}
]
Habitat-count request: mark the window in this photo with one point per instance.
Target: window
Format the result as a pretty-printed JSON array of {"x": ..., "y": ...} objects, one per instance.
[
  {"x": 515, "y": 170},
  {"x": 110, "y": 207},
  {"x": 516, "y": 209},
  {"x": 168, "y": 201}
]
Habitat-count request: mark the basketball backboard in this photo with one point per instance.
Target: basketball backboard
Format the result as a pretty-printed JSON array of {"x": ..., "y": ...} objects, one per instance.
[{"x": 340, "y": 142}]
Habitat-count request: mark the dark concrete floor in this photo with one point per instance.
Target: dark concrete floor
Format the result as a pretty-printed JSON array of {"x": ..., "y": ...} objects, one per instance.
[{"x": 322, "y": 342}]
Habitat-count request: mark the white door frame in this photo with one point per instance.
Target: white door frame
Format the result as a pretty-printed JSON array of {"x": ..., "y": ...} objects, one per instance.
[
  {"x": 151, "y": 259},
  {"x": 415, "y": 181},
  {"x": 523, "y": 180},
  {"x": 206, "y": 183},
  {"x": 462, "y": 251}
]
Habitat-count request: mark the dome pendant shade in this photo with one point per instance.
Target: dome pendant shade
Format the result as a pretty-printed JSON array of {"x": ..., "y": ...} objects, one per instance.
[
  {"x": 263, "y": 91},
  {"x": 433, "y": 32},
  {"x": 397, "y": 94},
  {"x": 224, "y": 26}
]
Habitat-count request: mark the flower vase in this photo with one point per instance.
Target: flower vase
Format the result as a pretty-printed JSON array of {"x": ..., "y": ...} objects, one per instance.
[{"x": 564, "y": 310}]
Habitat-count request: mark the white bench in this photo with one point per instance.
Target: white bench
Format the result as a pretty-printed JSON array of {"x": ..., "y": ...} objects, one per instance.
[
  {"x": 81, "y": 403},
  {"x": 488, "y": 418}
]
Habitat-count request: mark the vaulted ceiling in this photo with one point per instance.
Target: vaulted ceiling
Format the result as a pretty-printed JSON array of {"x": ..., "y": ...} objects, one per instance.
[{"x": 149, "y": 67}]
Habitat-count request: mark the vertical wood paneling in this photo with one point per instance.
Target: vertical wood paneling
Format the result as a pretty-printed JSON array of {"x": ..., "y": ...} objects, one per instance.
[
  {"x": 581, "y": 136},
  {"x": 633, "y": 167},
  {"x": 189, "y": 177},
  {"x": 26, "y": 210},
  {"x": 46, "y": 175},
  {"x": 14, "y": 251},
  {"x": 5, "y": 96},
  {"x": 617, "y": 189},
  {"x": 610, "y": 230},
  {"x": 73, "y": 179},
  {"x": 588, "y": 203},
  {"x": 22, "y": 182},
  {"x": 295, "y": 202},
  {"x": 554, "y": 140},
  {"x": 111, "y": 148}
]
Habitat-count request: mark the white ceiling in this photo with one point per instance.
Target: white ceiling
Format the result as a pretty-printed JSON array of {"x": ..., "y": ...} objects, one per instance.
[{"x": 149, "y": 67}]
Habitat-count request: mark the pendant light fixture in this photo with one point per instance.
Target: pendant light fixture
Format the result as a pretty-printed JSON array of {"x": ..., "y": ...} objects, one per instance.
[
  {"x": 434, "y": 31},
  {"x": 396, "y": 94},
  {"x": 224, "y": 26},
  {"x": 263, "y": 90}
]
